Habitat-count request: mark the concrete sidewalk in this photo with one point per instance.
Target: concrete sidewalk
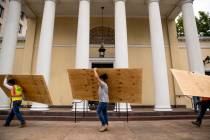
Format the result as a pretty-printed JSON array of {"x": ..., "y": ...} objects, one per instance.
[{"x": 141, "y": 130}]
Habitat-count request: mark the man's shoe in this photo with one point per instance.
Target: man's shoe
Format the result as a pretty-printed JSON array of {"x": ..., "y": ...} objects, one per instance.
[
  {"x": 102, "y": 129},
  {"x": 22, "y": 125},
  {"x": 196, "y": 123},
  {"x": 6, "y": 125},
  {"x": 106, "y": 126}
]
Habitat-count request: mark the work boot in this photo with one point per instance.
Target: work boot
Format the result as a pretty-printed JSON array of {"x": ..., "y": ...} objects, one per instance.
[
  {"x": 102, "y": 129},
  {"x": 22, "y": 125},
  {"x": 196, "y": 123}
]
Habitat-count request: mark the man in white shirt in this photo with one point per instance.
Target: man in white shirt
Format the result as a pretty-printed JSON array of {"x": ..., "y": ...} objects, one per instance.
[{"x": 103, "y": 100}]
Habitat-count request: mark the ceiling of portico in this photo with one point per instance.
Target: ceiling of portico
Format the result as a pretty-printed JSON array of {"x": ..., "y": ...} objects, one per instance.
[{"x": 134, "y": 8}]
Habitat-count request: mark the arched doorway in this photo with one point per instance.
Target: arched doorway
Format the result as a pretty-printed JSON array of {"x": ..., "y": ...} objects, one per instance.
[
  {"x": 96, "y": 40},
  {"x": 96, "y": 34}
]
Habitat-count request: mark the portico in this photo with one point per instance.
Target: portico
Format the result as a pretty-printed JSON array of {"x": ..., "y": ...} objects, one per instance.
[{"x": 56, "y": 19}]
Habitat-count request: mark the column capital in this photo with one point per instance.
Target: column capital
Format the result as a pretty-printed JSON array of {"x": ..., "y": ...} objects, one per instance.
[
  {"x": 186, "y": 1},
  {"x": 119, "y": 0},
  {"x": 85, "y": 0},
  {"x": 16, "y": 0},
  {"x": 51, "y": 0},
  {"x": 150, "y": 1}
]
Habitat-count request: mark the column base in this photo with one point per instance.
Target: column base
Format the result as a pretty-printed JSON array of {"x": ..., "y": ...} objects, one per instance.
[
  {"x": 122, "y": 107},
  {"x": 80, "y": 106},
  {"x": 163, "y": 108},
  {"x": 39, "y": 107}
]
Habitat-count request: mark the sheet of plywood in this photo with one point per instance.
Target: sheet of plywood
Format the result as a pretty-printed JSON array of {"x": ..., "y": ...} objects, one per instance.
[
  {"x": 125, "y": 85},
  {"x": 192, "y": 84},
  {"x": 34, "y": 87}
]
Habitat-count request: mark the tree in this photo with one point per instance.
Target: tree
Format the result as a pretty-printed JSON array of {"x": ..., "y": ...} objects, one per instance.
[
  {"x": 180, "y": 26},
  {"x": 203, "y": 24}
]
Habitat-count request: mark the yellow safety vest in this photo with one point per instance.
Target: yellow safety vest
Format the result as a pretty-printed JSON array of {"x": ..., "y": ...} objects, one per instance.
[{"x": 16, "y": 93}]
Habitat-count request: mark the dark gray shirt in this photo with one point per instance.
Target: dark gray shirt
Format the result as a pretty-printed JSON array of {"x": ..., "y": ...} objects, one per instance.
[{"x": 103, "y": 92}]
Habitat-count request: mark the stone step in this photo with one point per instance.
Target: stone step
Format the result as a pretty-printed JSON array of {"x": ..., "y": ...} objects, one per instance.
[
  {"x": 113, "y": 118},
  {"x": 93, "y": 113},
  {"x": 138, "y": 114}
]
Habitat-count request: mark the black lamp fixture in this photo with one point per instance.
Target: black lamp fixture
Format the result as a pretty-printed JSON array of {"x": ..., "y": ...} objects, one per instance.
[
  {"x": 102, "y": 50},
  {"x": 206, "y": 60}
]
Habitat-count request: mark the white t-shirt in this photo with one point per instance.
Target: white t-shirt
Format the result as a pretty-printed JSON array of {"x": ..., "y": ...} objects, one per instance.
[{"x": 103, "y": 92}]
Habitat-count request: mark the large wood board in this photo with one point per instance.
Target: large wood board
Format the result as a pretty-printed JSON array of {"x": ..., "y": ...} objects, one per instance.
[
  {"x": 192, "y": 84},
  {"x": 125, "y": 85},
  {"x": 34, "y": 87}
]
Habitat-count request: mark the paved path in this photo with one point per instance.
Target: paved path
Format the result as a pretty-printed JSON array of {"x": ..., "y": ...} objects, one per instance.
[{"x": 141, "y": 130}]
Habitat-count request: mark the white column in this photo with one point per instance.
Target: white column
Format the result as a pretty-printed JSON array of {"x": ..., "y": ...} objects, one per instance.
[
  {"x": 45, "y": 46},
  {"x": 7, "y": 52},
  {"x": 121, "y": 43},
  {"x": 161, "y": 87},
  {"x": 192, "y": 39},
  {"x": 82, "y": 46}
]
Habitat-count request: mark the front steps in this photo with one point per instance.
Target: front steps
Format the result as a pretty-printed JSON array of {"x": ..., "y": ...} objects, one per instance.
[{"x": 140, "y": 114}]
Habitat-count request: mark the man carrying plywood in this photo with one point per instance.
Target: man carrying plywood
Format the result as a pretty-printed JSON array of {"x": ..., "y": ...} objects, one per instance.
[
  {"x": 194, "y": 84},
  {"x": 16, "y": 97},
  {"x": 103, "y": 100},
  {"x": 204, "y": 104}
]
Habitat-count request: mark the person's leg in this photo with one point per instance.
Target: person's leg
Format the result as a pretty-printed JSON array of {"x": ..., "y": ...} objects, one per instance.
[
  {"x": 99, "y": 113},
  {"x": 105, "y": 113},
  {"x": 203, "y": 107},
  {"x": 202, "y": 111},
  {"x": 9, "y": 118},
  {"x": 196, "y": 101},
  {"x": 208, "y": 104},
  {"x": 17, "y": 105}
]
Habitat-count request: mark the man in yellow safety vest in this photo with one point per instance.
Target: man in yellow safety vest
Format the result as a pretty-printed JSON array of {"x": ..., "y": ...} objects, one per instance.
[{"x": 16, "y": 97}]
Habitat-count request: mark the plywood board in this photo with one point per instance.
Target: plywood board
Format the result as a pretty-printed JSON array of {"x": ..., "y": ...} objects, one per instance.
[
  {"x": 34, "y": 87},
  {"x": 125, "y": 85},
  {"x": 192, "y": 84}
]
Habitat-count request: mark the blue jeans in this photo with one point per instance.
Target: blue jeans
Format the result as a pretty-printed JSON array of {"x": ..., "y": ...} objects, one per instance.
[
  {"x": 196, "y": 101},
  {"x": 102, "y": 113},
  {"x": 203, "y": 107},
  {"x": 15, "y": 112}
]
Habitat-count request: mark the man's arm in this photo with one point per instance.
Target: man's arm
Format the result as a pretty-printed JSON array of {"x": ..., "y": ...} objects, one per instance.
[
  {"x": 5, "y": 83},
  {"x": 96, "y": 75}
]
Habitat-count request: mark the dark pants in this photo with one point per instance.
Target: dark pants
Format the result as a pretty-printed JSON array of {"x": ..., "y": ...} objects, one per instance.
[
  {"x": 203, "y": 107},
  {"x": 102, "y": 113},
  {"x": 196, "y": 101},
  {"x": 15, "y": 112}
]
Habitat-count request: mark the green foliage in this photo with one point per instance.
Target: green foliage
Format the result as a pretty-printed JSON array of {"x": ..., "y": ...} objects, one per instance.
[
  {"x": 180, "y": 26},
  {"x": 203, "y": 24}
]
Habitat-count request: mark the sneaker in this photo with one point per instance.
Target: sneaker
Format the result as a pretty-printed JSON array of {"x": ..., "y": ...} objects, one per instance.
[
  {"x": 106, "y": 126},
  {"x": 102, "y": 129},
  {"x": 22, "y": 125},
  {"x": 196, "y": 123}
]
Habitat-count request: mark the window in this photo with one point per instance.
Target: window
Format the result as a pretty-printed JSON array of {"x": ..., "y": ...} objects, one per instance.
[
  {"x": 1, "y": 11},
  {"x": 22, "y": 15},
  {"x": 20, "y": 28}
]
